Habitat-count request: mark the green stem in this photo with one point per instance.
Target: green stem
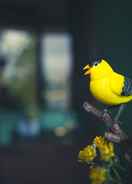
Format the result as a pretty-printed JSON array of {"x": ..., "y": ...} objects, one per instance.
[{"x": 117, "y": 175}]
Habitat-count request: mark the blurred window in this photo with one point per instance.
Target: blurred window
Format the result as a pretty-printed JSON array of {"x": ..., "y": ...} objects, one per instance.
[{"x": 57, "y": 58}]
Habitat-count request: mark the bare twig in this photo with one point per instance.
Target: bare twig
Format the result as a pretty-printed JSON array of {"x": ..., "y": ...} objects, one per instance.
[{"x": 115, "y": 133}]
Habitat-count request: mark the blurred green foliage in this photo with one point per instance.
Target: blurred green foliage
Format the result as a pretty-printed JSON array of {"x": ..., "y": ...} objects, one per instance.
[{"x": 22, "y": 85}]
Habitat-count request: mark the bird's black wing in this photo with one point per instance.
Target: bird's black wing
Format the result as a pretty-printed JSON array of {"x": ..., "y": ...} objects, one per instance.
[{"x": 127, "y": 88}]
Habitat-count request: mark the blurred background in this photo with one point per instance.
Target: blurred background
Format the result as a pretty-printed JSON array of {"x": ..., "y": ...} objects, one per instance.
[{"x": 44, "y": 45}]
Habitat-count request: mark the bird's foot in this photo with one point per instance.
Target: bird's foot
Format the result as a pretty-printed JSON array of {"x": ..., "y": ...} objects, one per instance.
[
  {"x": 106, "y": 112},
  {"x": 107, "y": 116}
]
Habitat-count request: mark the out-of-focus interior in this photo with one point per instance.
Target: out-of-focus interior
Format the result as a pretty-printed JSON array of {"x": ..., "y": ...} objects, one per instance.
[
  {"x": 40, "y": 92},
  {"x": 44, "y": 45}
]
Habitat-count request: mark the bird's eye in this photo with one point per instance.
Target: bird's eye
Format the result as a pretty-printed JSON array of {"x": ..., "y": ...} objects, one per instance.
[{"x": 95, "y": 64}]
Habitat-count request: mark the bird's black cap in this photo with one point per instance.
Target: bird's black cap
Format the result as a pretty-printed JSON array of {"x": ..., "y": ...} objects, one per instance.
[{"x": 94, "y": 61}]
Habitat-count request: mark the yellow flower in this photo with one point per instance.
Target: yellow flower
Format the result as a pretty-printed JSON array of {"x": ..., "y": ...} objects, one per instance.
[
  {"x": 98, "y": 141},
  {"x": 98, "y": 175},
  {"x": 107, "y": 151},
  {"x": 88, "y": 153},
  {"x": 106, "y": 148}
]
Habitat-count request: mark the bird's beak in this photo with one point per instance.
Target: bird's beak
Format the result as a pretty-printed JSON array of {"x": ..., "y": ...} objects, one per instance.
[{"x": 87, "y": 70}]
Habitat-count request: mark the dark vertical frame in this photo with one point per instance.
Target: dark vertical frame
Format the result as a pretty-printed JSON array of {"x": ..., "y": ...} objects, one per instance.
[{"x": 82, "y": 25}]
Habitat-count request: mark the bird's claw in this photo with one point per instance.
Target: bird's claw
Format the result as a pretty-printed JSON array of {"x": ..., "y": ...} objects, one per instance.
[
  {"x": 106, "y": 116},
  {"x": 106, "y": 113}
]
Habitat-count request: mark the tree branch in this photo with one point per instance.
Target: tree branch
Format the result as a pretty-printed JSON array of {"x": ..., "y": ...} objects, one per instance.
[{"x": 115, "y": 133}]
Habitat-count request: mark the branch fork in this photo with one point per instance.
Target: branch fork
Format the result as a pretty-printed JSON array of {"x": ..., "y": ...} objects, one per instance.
[{"x": 114, "y": 133}]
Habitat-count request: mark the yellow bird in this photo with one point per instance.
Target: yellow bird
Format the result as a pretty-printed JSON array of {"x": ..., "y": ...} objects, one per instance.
[{"x": 108, "y": 86}]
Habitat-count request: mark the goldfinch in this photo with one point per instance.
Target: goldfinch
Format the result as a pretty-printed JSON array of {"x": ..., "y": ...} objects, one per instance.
[{"x": 108, "y": 86}]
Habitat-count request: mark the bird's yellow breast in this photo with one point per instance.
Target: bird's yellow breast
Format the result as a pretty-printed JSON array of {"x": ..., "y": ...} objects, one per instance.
[{"x": 101, "y": 91}]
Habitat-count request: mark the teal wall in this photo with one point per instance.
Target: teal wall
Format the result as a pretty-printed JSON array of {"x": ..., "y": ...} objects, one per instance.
[{"x": 113, "y": 35}]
